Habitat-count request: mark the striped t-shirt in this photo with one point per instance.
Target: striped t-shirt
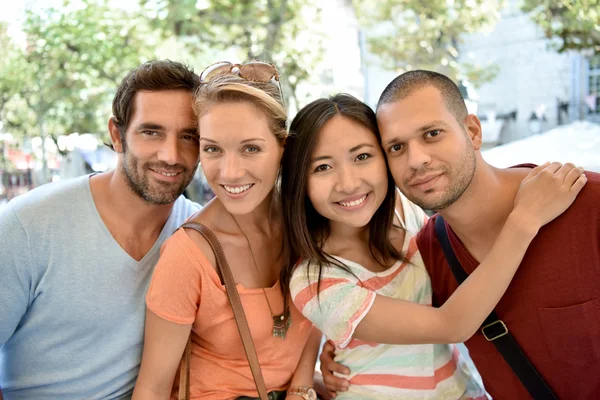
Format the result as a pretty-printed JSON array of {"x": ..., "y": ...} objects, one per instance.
[{"x": 383, "y": 371}]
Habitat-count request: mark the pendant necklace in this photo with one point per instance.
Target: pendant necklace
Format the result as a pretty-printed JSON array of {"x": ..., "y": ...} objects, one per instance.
[{"x": 281, "y": 322}]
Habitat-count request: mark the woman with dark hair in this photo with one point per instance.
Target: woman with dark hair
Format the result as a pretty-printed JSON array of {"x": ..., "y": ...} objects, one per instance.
[{"x": 355, "y": 270}]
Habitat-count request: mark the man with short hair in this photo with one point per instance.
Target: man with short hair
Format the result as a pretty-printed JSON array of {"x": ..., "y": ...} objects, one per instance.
[
  {"x": 552, "y": 307},
  {"x": 77, "y": 256}
]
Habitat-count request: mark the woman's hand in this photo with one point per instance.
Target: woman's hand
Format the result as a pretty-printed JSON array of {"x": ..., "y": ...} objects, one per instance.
[{"x": 545, "y": 193}]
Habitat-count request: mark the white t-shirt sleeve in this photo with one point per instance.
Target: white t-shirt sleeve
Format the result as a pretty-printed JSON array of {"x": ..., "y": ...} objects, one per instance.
[{"x": 341, "y": 305}]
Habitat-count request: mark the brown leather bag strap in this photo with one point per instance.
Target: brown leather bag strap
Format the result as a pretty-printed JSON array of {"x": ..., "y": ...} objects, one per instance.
[
  {"x": 236, "y": 305},
  {"x": 184, "y": 372}
]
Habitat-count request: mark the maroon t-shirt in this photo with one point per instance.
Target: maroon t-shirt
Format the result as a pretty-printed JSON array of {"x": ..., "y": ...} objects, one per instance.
[{"x": 552, "y": 306}]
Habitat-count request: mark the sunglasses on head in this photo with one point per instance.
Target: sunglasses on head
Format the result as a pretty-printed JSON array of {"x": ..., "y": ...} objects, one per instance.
[{"x": 256, "y": 71}]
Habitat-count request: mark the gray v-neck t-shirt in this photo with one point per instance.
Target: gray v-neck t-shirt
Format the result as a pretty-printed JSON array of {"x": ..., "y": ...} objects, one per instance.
[{"x": 71, "y": 299}]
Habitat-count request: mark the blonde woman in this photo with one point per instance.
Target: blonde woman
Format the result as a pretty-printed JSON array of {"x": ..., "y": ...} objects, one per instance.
[{"x": 242, "y": 127}]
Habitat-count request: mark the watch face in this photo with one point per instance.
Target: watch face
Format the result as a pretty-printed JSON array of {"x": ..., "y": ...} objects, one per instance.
[{"x": 312, "y": 395}]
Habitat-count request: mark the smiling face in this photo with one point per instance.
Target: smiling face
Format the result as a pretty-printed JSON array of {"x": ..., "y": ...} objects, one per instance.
[
  {"x": 159, "y": 154},
  {"x": 347, "y": 179},
  {"x": 430, "y": 154},
  {"x": 239, "y": 154}
]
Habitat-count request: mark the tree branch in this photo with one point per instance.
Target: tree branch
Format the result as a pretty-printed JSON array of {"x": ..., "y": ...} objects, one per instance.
[{"x": 274, "y": 27}]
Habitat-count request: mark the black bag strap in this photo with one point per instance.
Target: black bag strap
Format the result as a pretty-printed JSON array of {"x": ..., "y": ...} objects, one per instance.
[{"x": 496, "y": 331}]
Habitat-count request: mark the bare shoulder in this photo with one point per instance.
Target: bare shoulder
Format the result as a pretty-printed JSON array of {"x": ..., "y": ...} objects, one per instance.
[{"x": 516, "y": 173}]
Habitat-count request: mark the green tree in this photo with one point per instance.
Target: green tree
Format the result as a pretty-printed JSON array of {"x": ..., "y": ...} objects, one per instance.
[
  {"x": 74, "y": 59},
  {"x": 573, "y": 24},
  {"x": 13, "y": 77},
  {"x": 409, "y": 34},
  {"x": 270, "y": 30}
]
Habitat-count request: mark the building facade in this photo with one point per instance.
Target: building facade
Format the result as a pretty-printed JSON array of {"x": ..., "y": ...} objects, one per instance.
[{"x": 536, "y": 87}]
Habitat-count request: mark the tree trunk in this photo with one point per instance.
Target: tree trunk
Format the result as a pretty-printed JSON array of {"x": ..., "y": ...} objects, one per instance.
[
  {"x": 276, "y": 18},
  {"x": 44, "y": 134}
]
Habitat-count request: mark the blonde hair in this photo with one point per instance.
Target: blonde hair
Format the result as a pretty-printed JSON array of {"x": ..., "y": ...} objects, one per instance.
[{"x": 266, "y": 96}]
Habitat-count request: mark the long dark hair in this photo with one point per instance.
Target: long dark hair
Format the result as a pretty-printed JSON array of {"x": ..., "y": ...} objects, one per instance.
[{"x": 305, "y": 230}]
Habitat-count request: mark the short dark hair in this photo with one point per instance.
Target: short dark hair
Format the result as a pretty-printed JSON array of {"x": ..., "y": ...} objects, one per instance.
[
  {"x": 305, "y": 229},
  {"x": 152, "y": 75},
  {"x": 411, "y": 81}
]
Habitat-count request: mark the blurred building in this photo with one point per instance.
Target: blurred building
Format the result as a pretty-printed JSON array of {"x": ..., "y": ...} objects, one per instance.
[
  {"x": 15, "y": 168},
  {"x": 536, "y": 88}
]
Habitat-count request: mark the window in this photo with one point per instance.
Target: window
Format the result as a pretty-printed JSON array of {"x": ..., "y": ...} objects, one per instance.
[{"x": 593, "y": 89}]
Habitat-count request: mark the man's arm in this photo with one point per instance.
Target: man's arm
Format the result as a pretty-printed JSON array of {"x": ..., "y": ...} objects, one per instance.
[
  {"x": 328, "y": 367},
  {"x": 15, "y": 270}
]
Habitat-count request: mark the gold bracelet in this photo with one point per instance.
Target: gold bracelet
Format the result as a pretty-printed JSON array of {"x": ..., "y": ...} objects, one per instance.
[{"x": 306, "y": 392}]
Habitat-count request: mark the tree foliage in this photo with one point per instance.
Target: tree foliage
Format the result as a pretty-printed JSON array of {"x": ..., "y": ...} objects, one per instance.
[
  {"x": 409, "y": 34},
  {"x": 70, "y": 65},
  {"x": 64, "y": 76},
  {"x": 277, "y": 31},
  {"x": 13, "y": 80},
  {"x": 573, "y": 24},
  {"x": 75, "y": 58}
]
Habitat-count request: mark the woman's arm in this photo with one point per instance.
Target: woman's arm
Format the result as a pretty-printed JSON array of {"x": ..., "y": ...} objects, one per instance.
[
  {"x": 164, "y": 343},
  {"x": 544, "y": 194},
  {"x": 305, "y": 371}
]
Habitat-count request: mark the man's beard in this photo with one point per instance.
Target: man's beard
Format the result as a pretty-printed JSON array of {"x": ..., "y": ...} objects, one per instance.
[
  {"x": 152, "y": 191},
  {"x": 459, "y": 182}
]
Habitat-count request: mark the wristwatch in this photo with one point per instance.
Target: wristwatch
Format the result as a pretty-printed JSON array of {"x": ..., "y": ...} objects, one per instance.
[{"x": 307, "y": 393}]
